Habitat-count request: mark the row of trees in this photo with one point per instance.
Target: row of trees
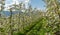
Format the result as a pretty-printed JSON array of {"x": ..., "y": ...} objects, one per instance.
[
  {"x": 54, "y": 6},
  {"x": 31, "y": 21}
]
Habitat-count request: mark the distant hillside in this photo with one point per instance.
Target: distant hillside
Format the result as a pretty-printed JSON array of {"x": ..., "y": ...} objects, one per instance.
[{"x": 7, "y": 13}]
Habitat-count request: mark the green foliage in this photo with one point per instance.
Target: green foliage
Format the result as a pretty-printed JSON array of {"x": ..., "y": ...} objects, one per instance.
[
  {"x": 32, "y": 21},
  {"x": 2, "y": 29},
  {"x": 18, "y": 33}
]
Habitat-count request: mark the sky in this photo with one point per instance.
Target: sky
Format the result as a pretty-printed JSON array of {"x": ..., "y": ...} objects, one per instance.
[
  {"x": 38, "y": 3},
  {"x": 34, "y": 3}
]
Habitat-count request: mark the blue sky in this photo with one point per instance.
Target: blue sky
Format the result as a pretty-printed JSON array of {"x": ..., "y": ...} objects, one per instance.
[
  {"x": 35, "y": 3},
  {"x": 38, "y": 3}
]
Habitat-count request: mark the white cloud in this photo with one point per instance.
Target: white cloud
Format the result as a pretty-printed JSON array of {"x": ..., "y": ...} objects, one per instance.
[
  {"x": 17, "y": 2},
  {"x": 26, "y": 1}
]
